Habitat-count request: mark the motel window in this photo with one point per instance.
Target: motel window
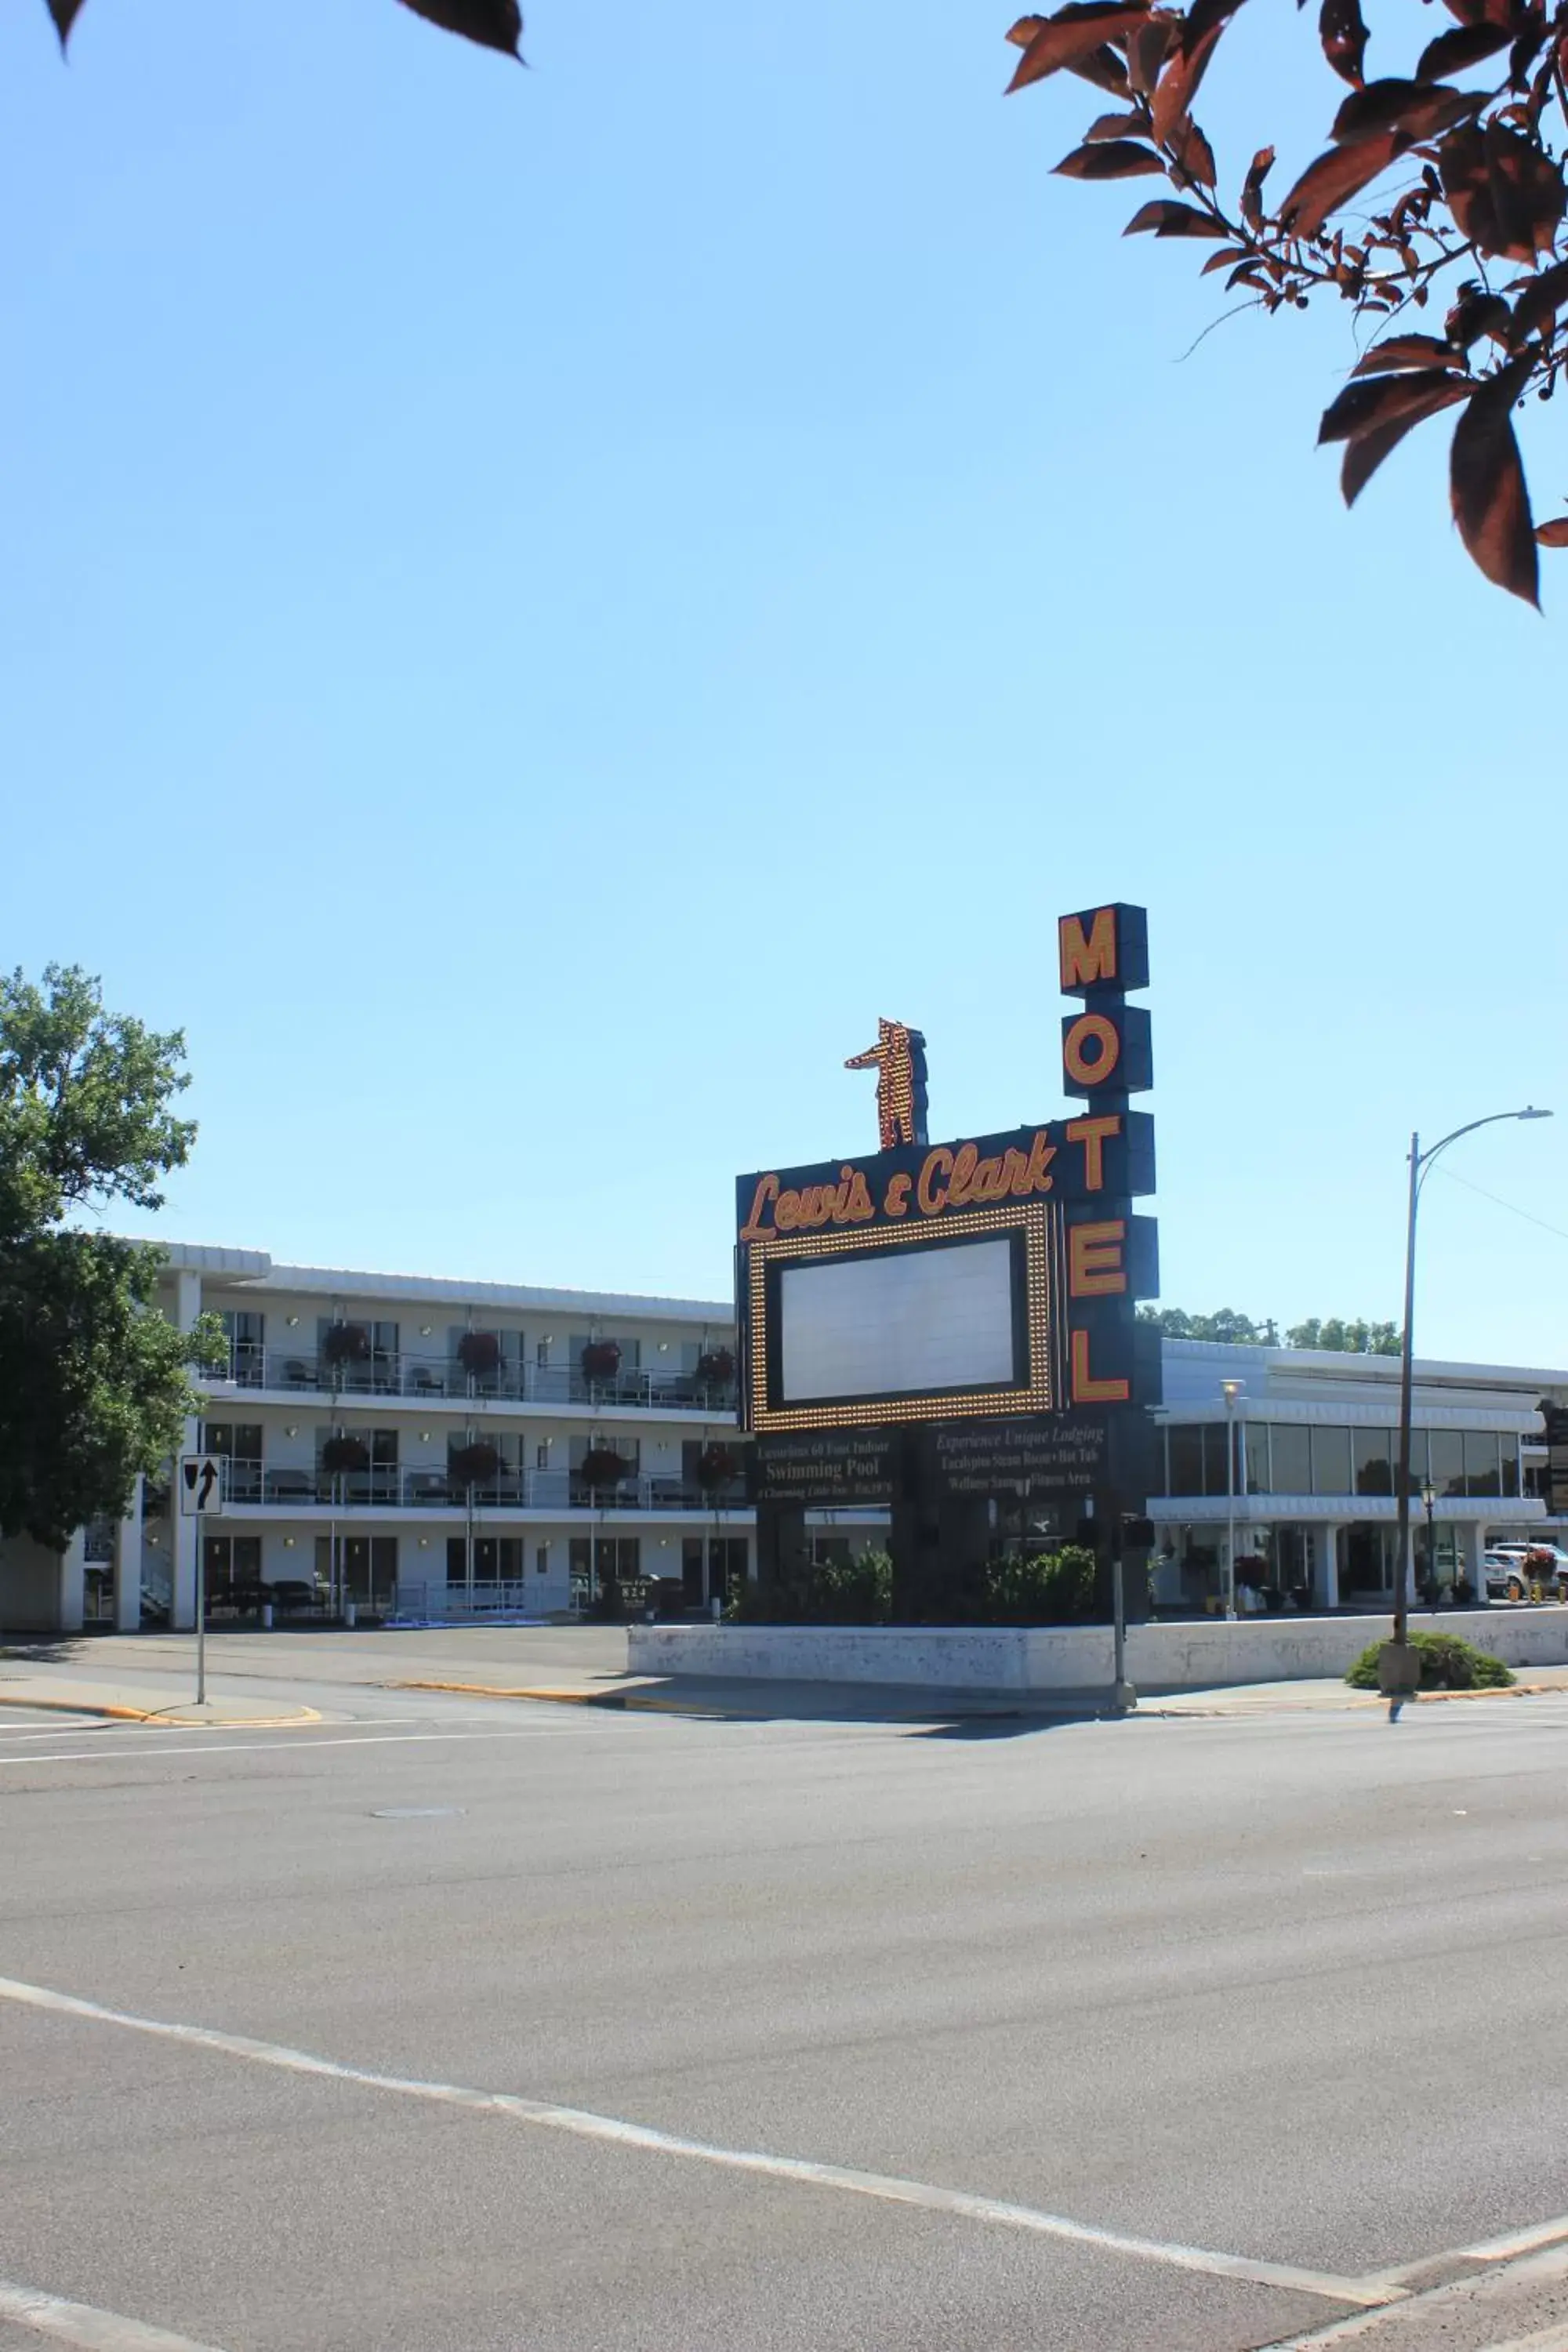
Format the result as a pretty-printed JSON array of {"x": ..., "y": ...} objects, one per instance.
[
  {"x": 1259, "y": 1476},
  {"x": 1373, "y": 1459},
  {"x": 1291, "y": 1443},
  {"x": 1509, "y": 1449},
  {"x": 1448, "y": 1460},
  {"x": 1186, "y": 1450},
  {"x": 1481, "y": 1471},
  {"x": 1332, "y": 1462}
]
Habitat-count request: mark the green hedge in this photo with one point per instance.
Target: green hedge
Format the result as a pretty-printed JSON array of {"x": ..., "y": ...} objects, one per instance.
[
  {"x": 1446, "y": 1664},
  {"x": 1053, "y": 1589}
]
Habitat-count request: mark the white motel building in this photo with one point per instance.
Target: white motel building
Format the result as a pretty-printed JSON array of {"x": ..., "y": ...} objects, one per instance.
[{"x": 435, "y": 1449}]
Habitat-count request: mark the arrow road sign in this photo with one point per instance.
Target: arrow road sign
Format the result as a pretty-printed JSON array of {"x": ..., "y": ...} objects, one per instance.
[{"x": 201, "y": 1486}]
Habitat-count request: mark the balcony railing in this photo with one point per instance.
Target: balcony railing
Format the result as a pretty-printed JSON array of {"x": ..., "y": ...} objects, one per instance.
[
  {"x": 390, "y": 1488},
  {"x": 427, "y": 1378}
]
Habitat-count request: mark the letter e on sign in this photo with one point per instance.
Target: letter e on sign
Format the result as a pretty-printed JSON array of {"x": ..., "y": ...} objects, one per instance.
[{"x": 1095, "y": 1267}]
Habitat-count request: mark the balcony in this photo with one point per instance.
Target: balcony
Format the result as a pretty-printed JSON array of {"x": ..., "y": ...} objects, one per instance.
[
  {"x": 427, "y": 1379},
  {"x": 254, "y": 1486}
]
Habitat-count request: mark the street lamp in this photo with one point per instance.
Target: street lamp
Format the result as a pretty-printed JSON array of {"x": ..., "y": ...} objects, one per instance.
[
  {"x": 1429, "y": 1505},
  {"x": 1230, "y": 1390},
  {"x": 1420, "y": 1161}
]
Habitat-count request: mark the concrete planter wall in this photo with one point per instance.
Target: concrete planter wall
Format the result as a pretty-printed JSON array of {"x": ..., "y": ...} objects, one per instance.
[{"x": 1195, "y": 1655}]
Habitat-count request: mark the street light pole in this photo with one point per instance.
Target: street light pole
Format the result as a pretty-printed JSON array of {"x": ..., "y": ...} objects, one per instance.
[
  {"x": 1230, "y": 1390},
  {"x": 1420, "y": 1161}
]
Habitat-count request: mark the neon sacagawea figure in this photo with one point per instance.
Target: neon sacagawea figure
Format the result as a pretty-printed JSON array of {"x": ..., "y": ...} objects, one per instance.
[{"x": 898, "y": 1058}]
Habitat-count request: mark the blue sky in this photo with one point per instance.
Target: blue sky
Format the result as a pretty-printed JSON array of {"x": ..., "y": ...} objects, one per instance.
[{"x": 539, "y": 604}]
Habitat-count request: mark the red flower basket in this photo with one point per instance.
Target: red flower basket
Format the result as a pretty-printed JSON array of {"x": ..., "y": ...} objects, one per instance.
[
  {"x": 346, "y": 1343},
  {"x": 474, "y": 1465},
  {"x": 480, "y": 1352},
  {"x": 601, "y": 1360},
  {"x": 601, "y": 1467}
]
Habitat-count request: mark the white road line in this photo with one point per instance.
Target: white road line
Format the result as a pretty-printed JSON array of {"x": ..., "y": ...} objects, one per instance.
[
  {"x": 1476, "y": 2304},
  {"x": 290, "y": 1743},
  {"x": 78, "y": 2323},
  {"x": 609, "y": 2129}
]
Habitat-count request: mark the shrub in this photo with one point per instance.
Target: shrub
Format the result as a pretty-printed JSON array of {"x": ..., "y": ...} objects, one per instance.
[
  {"x": 1446, "y": 1664},
  {"x": 857, "y": 1591},
  {"x": 1053, "y": 1589}
]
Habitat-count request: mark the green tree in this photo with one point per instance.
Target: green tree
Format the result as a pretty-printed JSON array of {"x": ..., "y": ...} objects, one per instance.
[
  {"x": 1464, "y": 141},
  {"x": 1230, "y": 1328},
  {"x": 94, "y": 1382},
  {"x": 1340, "y": 1338},
  {"x": 494, "y": 23}
]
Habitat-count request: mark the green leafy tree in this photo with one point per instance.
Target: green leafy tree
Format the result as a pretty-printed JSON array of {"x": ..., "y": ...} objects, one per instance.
[
  {"x": 1465, "y": 143},
  {"x": 494, "y": 23},
  {"x": 1340, "y": 1338},
  {"x": 1230, "y": 1328},
  {"x": 94, "y": 1382}
]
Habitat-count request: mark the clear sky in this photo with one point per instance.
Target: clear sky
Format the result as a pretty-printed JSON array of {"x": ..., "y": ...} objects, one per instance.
[{"x": 537, "y": 605}]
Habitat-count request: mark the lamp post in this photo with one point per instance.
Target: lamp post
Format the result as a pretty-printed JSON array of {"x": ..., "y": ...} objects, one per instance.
[
  {"x": 1429, "y": 1505},
  {"x": 1420, "y": 1161},
  {"x": 1230, "y": 1390}
]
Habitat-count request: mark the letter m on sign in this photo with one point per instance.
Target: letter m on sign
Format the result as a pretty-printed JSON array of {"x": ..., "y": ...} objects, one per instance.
[{"x": 1104, "y": 950}]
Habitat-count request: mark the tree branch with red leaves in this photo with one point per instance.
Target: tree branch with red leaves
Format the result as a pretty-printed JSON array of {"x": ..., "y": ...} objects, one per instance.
[{"x": 1483, "y": 187}]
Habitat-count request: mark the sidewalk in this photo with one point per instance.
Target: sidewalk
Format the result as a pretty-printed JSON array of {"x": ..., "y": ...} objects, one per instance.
[
  {"x": 752, "y": 1699},
  {"x": 128, "y": 1702}
]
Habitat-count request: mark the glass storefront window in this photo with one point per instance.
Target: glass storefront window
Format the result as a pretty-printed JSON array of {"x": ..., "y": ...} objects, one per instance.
[
  {"x": 1214, "y": 1458},
  {"x": 1481, "y": 1474},
  {"x": 1371, "y": 1456},
  {"x": 1447, "y": 1461},
  {"x": 1291, "y": 1446},
  {"x": 1510, "y": 1465},
  {"x": 1332, "y": 1462}
]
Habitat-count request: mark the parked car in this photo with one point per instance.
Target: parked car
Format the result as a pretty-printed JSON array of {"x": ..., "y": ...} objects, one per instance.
[{"x": 1511, "y": 1569}]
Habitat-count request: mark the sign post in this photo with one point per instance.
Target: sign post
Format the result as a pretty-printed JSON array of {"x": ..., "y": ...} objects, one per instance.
[{"x": 201, "y": 1490}]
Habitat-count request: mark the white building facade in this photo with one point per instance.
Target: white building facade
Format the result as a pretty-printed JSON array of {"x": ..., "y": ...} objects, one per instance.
[
  {"x": 1297, "y": 1466},
  {"x": 433, "y": 1449}
]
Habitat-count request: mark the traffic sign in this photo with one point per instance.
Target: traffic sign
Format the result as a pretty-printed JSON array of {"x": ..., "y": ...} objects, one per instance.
[{"x": 201, "y": 1484}]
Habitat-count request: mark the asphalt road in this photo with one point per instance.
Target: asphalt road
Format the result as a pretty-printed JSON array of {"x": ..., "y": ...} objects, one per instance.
[{"x": 1285, "y": 1991}]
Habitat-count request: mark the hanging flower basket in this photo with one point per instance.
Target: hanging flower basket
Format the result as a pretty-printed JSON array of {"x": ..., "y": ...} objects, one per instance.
[
  {"x": 601, "y": 1360},
  {"x": 479, "y": 1352},
  {"x": 601, "y": 1467},
  {"x": 716, "y": 1369},
  {"x": 474, "y": 1465},
  {"x": 344, "y": 1453},
  {"x": 717, "y": 1466},
  {"x": 346, "y": 1343}
]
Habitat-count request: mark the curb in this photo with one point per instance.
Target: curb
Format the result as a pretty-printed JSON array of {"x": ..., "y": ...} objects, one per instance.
[
  {"x": 168, "y": 1718},
  {"x": 636, "y": 1702},
  {"x": 497, "y": 1690}
]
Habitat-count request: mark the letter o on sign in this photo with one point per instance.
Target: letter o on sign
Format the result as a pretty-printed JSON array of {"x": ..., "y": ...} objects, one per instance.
[{"x": 1091, "y": 1049}]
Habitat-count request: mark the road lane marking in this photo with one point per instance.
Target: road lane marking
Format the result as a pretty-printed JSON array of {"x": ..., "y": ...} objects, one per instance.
[
  {"x": 611, "y": 2131},
  {"x": 154, "y": 1750},
  {"x": 1510, "y": 2249},
  {"x": 1478, "y": 2303},
  {"x": 78, "y": 2323}
]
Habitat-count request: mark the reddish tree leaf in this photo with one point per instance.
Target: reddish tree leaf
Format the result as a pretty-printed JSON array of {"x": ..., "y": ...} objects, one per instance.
[
  {"x": 1541, "y": 300},
  {"x": 1075, "y": 32},
  {"x": 1478, "y": 314},
  {"x": 1343, "y": 35},
  {"x": 1366, "y": 453},
  {"x": 1528, "y": 192},
  {"x": 1466, "y": 45},
  {"x": 65, "y": 13},
  {"x": 1402, "y": 352},
  {"x": 1486, "y": 479},
  {"x": 1206, "y": 21},
  {"x": 494, "y": 23},
  {"x": 1252, "y": 190},
  {"x": 1118, "y": 159},
  {"x": 1105, "y": 69},
  {"x": 1196, "y": 156},
  {"x": 1115, "y": 126},
  {"x": 1023, "y": 31},
  {"x": 1167, "y": 218},
  {"x": 1419, "y": 109},
  {"x": 1335, "y": 178},
  {"x": 1369, "y": 402},
  {"x": 1147, "y": 51},
  {"x": 1222, "y": 260},
  {"x": 1553, "y": 533}
]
